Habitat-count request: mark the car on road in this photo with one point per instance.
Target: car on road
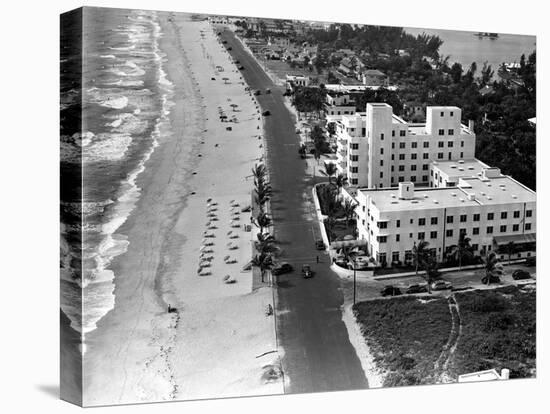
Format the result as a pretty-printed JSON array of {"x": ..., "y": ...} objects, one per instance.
[
  {"x": 224, "y": 42},
  {"x": 268, "y": 91},
  {"x": 241, "y": 67},
  {"x": 416, "y": 289},
  {"x": 229, "y": 48},
  {"x": 520, "y": 275},
  {"x": 390, "y": 290},
  {"x": 266, "y": 113},
  {"x": 306, "y": 271},
  {"x": 237, "y": 62},
  {"x": 493, "y": 279},
  {"x": 441, "y": 285},
  {"x": 258, "y": 92},
  {"x": 281, "y": 268},
  {"x": 319, "y": 244}
]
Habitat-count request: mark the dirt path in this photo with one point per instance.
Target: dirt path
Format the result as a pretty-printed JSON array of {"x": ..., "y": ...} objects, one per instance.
[{"x": 442, "y": 363}]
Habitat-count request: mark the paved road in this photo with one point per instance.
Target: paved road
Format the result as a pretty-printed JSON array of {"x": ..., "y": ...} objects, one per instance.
[{"x": 317, "y": 353}]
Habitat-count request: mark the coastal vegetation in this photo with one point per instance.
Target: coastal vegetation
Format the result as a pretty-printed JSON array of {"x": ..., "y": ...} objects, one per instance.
[{"x": 407, "y": 335}]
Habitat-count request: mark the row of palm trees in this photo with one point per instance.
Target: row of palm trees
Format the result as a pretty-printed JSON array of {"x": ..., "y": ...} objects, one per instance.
[
  {"x": 424, "y": 259},
  {"x": 265, "y": 247}
]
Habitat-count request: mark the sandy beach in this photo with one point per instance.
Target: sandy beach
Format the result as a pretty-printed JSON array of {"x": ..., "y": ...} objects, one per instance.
[{"x": 218, "y": 342}]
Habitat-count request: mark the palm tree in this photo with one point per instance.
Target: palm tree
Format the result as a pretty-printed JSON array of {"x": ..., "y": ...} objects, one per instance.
[
  {"x": 348, "y": 206},
  {"x": 420, "y": 254},
  {"x": 265, "y": 243},
  {"x": 510, "y": 250},
  {"x": 263, "y": 221},
  {"x": 264, "y": 261},
  {"x": 462, "y": 249},
  {"x": 431, "y": 271},
  {"x": 330, "y": 170},
  {"x": 340, "y": 181},
  {"x": 259, "y": 172},
  {"x": 492, "y": 266}
]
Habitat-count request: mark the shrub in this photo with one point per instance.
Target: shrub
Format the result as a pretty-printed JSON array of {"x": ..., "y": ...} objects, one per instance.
[{"x": 490, "y": 303}]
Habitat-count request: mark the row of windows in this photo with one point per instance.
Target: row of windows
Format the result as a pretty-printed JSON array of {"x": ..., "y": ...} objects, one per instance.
[
  {"x": 449, "y": 233},
  {"x": 449, "y": 132},
  {"x": 425, "y": 167},
  {"x": 450, "y": 219}
]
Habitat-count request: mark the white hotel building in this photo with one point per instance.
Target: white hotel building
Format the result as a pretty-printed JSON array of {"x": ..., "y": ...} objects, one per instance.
[{"x": 417, "y": 182}]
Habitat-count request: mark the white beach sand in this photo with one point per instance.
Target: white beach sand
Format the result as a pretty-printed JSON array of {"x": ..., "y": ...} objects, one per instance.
[{"x": 213, "y": 345}]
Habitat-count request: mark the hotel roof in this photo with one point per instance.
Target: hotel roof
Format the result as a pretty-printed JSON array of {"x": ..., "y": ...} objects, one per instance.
[
  {"x": 470, "y": 192},
  {"x": 461, "y": 168}
]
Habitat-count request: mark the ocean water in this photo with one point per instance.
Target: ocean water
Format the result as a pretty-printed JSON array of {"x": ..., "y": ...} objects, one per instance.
[
  {"x": 465, "y": 47},
  {"x": 125, "y": 98}
]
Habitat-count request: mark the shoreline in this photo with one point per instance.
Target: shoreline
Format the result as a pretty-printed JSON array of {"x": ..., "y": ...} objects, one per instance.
[{"x": 139, "y": 352}]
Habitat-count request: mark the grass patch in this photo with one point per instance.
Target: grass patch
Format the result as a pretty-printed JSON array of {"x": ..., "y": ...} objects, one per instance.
[
  {"x": 405, "y": 336},
  {"x": 498, "y": 331}
]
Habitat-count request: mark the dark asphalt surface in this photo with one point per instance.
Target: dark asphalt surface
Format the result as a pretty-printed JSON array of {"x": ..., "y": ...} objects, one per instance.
[{"x": 318, "y": 356}]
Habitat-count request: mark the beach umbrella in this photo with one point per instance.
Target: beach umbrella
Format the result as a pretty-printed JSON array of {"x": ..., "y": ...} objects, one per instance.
[
  {"x": 234, "y": 236},
  {"x": 226, "y": 258},
  {"x": 208, "y": 200},
  {"x": 205, "y": 272},
  {"x": 212, "y": 227},
  {"x": 205, "y": 263},
  {"x": 230, "y": 232}
]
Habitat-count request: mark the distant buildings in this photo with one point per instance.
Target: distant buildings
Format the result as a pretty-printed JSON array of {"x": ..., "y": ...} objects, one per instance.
[
  {"x": 293, "y": 81},
  {"x": 373, "y": 77},
  {"x": 339, "y": 104}
]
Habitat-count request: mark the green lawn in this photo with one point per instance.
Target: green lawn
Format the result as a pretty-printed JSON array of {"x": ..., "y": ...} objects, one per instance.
[{"x": 407, "y": 336}]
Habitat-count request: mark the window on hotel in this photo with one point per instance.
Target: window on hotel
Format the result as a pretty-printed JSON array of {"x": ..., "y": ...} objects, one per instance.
[
  {"x": 449, "y": 233},
  {"x": 354, "y": 157},
  {"x": 450, "y": 144},
  {"x": 503, "y": 229},
  {"x": 476, "y": 217},
  {"x": 515, "y": 227},
  {"x": 393, "y": 157},
  {"x": 426, "y": 144},
  {"x": 393, "y": 133},
  {"x": 414, "y": 144},
  {"x": 401, "y": 145},
  {"x": 462, "y": 231},
  {"x": 425, "y": 167},
  {"x": 413, "y": 178},
  {"x": 441, "y": 132},
  {"x": 393, "y": 145},
  {"x": 421, "y": 235},
  {"x": 408, "y": 255},
  {"x": 354, "y": 170},
  {"x": 433, "y": 235},
  {"x": 490, "y": 216},
  {"x": 413, "y": 167},
  {"x": 402, "y": 133},
  {"x": 395, "y": 257},
  {"x": 397, "y": 237},
  {"x": 401, "y": 156},
  {"x": 452, "y": 113},
  {"x": 382, "y": 224},
  {"x": 504, "y": 215},
  {"x": 382, "y": 151},
  {"x": 382, "y": 137},
  {"x": 461, "y": 155},
  {"x": 433, "y": 220},
  {"x": 392, "y": 180},
  {"x": 461, "y": 143},
  {"x": 401, "y": 168},
  {"x": 527, "y": 226},
  {"x": 475, "y": 231},
  {"x": 382, "y": 239},
  {"x": 451, "y": 131},
  {"x": 528, "y": 213},
  {"x": 442, "y": 113},
  {"x": 392, "y": 168},
  {"x": 413, "y": 156},
  {"x": 440, "y": 144},
  {"x": 355, "y": 146},
  {"x": 516, "y": 214},
  {"x": 381, "y": 163},
  {"x": 401, "y": 179},
  {"x": 381, "y": 176},
  {"x": 440, "y": 155},
  {"x": 463, "y": 218},
  {"x": 450, "y": 219},
  {"x": 354, "y": 181},
  {"x": 490, "y": 230},
  {"x": 398, "y": 223},
  {"x": 475, "y": 246},
  {"x": 421, "y": 221},
  {"x": 424, "y": 178}
]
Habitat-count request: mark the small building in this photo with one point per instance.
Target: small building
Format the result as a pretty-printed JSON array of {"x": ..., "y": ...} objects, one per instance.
[
  {"x": 339, "y": 104},
  {"x": 293, "y": 81},
  {"x": 374, "y": 77},
  {"x": 487, "y": 375}
]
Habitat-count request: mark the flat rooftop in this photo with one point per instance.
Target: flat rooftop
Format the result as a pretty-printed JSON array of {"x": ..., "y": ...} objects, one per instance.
[
  {"x": 494, "y": 191},
  {"x": 461, "y": 168}
]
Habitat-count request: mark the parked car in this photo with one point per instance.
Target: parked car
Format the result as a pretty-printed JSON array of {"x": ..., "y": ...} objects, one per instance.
[
  {"x": 390, "y": 290},
  {"x": 520, "y": 275},
  {"x": 224, "y": 42},
  {"x": 306, "y": 271},
  {"x": 237, "y": 62},
  {"x": 266, "y": 113},
  {"x": 441, "y": 285},
  {"x": 531, "y": 261},
  {"x": 281, "y": 268},
  {"x": 494, "y": 279},
  {"x": 241, "y": 67},
  {"x": 416, "y": 289},
  {"x": 230, "y": 48},
  {"x": 268, "y": 91},
  {"x": 319, "y": 244},
  {"x": 258, "y": 92}
]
